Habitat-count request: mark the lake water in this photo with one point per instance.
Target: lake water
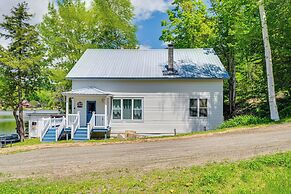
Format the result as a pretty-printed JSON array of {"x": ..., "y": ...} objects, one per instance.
[{"x": 7, "y": 123}]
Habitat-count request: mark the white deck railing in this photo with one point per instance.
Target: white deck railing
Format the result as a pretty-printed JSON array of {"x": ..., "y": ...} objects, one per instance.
[
  {"x": 100, "y": 121},
  {"x": 47, "y": 124},
  {"x": 73, "y": 122},
  {"x": 56, "y": 122},
  {"x": 96, "y": 121},
  {"x": 91, "y": 125},
  {"x": 60, "y": 127}
]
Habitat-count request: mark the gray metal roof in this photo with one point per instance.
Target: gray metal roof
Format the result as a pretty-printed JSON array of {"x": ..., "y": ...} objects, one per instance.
[
  {"x": 147, "y": 64},
  {"x": 86, "y": 91}
]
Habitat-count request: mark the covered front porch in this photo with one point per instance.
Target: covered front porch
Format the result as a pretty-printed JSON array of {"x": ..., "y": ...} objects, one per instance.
[{"x": 87, "y": 112}]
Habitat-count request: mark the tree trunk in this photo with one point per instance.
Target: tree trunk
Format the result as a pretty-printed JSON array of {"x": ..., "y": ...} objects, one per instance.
[
  {"x": 19, "y": 122},
  {"x": 269, "y": 65},
  {"x": 232, "y": 84}
]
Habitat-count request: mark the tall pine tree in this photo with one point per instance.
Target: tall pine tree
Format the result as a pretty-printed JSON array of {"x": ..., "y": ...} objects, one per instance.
[{"x": 20, "y": 62}]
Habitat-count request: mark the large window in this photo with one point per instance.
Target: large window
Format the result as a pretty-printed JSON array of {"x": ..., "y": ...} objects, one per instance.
[
  {"x": 198, "y": 109},
  {"x": 127, "y": 109}
]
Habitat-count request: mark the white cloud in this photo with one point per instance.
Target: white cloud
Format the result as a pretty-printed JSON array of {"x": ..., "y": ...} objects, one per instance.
[
  {"x": 144, "y": 47},
  {"x": 144, "y": 9},
  {"x": 36, "y": 7}
]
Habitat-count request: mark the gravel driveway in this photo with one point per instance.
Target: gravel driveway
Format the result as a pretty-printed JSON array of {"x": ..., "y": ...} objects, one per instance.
[{"x": 148, "y": 155}]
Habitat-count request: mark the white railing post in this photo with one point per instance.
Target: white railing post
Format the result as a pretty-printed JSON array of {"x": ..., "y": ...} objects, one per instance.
[
  {"x": 72, "y": 131},
  {"x": 88, "y": 131},
  {"x": 105, "y": 112},
  {"x": 78, "y": 118},
  {"x": 67, "y": 110}
]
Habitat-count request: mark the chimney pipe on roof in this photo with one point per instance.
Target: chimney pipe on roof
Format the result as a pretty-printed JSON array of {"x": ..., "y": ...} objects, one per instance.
[{"x": 171, "y": 57}]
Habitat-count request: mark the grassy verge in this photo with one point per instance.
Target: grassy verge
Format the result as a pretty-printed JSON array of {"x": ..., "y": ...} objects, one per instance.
[{"x": 267, "y": 174}]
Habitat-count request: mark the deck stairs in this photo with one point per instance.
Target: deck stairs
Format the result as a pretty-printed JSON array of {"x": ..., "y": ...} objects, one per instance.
[
  {"x": 54, "y": 129},
  {"x": 81, "y": 134},
  {"x": 50, "y": 135}
]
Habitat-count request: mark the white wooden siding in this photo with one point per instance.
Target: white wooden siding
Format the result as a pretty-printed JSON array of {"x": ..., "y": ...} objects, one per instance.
[{"x": 166, "y": 103}]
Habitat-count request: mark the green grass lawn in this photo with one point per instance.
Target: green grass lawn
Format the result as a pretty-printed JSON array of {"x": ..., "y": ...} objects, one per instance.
[{"x": 267, "y": 174}]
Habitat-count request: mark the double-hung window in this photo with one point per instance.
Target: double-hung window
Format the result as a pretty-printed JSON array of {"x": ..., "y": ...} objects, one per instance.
[
  {"x": 198, "y": 107},
  {"x": 127, "y": 109},
  {"x": 116, "y": 108},
  {"x": 193, "y": 110},
  {"x": 202, "y": 107},
  {"x": 137, "y": 109}
]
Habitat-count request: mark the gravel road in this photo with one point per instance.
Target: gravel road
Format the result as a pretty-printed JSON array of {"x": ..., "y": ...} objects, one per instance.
[{"x": 148, "y": 155}]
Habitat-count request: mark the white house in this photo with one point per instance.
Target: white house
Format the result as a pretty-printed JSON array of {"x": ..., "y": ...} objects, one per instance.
[{"x": 152, "y": 92}]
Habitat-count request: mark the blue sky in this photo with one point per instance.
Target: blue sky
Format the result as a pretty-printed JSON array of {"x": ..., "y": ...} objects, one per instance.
[{"x": 150, "y": 30}]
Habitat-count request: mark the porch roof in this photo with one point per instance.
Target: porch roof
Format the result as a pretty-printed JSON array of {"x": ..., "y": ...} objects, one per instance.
[{"x": 86, "y": 91}]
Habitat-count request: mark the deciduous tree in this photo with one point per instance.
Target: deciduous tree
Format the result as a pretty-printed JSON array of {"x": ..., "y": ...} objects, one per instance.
[{"x": 189, "y": 25}]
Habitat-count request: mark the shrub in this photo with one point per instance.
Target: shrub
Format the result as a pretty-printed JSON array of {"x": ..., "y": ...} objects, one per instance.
[
  {"x": 244, "y": 120},
  {"x": 286, "y": 112}
]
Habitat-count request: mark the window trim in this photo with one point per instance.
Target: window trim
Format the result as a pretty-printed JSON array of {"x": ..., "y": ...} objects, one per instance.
[
  {"x": 198, "y": 107},
  {"x": 132, "y": 105}
]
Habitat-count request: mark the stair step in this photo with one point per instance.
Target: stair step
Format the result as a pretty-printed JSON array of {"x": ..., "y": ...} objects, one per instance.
[
  {"x": 80, "y": 135},
  {"x": 50, "y": 136},
  {"x": 44, "y": 140},
  {"x": 85, "y": 133},
  {"x": 80, "y": 139},
  {"x": 49, "y": 139}
]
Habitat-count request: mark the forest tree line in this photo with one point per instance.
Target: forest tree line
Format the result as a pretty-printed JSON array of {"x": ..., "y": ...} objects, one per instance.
[{"x": 233, "y": 29}]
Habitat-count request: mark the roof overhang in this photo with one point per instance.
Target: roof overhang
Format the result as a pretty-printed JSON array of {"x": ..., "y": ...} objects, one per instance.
[{"x": 87, "y": 92}]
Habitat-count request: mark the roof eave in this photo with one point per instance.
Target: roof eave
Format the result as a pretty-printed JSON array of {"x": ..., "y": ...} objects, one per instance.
[{"x": 147, "y": 78}]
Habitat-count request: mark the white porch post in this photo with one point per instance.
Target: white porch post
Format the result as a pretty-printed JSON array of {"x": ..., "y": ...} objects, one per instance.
[
  {"x": 105, "y": 111},
  {"x": 67, "y": 110},
  {"x": 72, "y": 107}
]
